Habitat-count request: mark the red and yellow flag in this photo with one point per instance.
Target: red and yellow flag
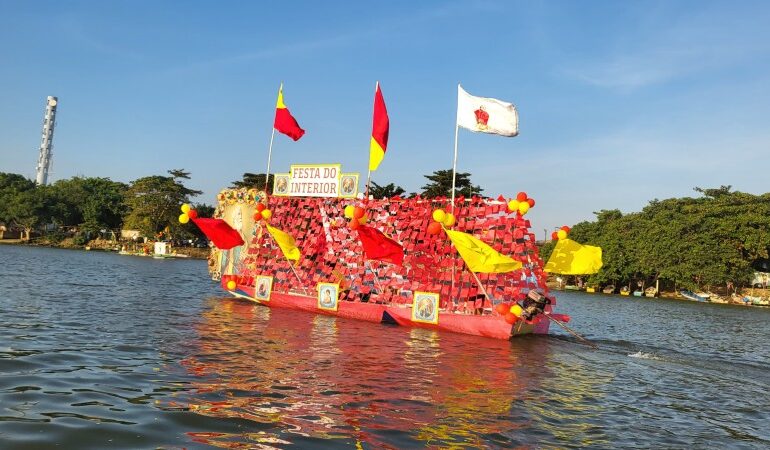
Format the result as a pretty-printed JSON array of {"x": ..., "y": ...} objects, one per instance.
[
  {"x": 380, "y": 128},
  {"x": 284, "y": 121}
]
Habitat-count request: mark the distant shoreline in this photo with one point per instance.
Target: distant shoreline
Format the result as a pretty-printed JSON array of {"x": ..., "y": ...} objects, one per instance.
[{"x": 96, "y": 246}]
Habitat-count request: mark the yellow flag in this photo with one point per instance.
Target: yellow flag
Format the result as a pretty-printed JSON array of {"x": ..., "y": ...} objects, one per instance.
[
  {"x": 571, "y": 258},
  {"x": 286, "y": 242},
  {"x": 479, "y": 257}
]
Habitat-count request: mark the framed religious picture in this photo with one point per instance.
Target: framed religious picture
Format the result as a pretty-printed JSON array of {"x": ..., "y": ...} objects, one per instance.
[
  {"x": 281, "y": 184},
  {"x": 425, "y": 307},
  {"x": 264, "y": 286},
  {"x": 348, "y": 185},
  {"x": 328, "y": 296}
]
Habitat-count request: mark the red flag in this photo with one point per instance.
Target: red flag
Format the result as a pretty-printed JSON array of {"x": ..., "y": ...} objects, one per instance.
[
  {"x": 380, "y": 129},
  {"x": 220, "y": 233},
  {"x": 380, "y": 247},
  {"x": 284, "y": 122}
]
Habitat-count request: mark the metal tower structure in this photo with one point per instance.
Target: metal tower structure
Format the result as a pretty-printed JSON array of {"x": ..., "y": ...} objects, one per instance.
[{"x": 46, "y": 143}]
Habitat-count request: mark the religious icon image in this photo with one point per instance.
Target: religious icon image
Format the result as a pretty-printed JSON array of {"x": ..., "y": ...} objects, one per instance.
[
  {"x": 264, "y": 285},
  {"x": 348, "y": 185},
  {"x": 281, "y": 186},
  {"x": 425, "y": 307},
  {"x": 328, "y": 296}
]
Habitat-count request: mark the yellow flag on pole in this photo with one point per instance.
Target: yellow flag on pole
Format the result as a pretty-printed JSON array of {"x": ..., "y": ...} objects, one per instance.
[
  {"x": 571, "y": 258},
  {"x": 286, "y": 242},
  {"x": 480, "y": 257}
]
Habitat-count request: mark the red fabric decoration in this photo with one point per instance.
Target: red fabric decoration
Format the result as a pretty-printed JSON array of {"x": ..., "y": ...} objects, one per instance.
[
  {"x": 379, "y": 247},
  {"x": 220, "y": 233}
]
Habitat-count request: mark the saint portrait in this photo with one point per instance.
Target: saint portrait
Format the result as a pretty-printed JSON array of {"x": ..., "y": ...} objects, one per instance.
[
  {"x": 264, "y": 287},
  {"x": 328, "y": 296},
  {"x": 425, "y": 307},
  {"x": 348, "y": 185},
  {"x": 281, "y": 184}
]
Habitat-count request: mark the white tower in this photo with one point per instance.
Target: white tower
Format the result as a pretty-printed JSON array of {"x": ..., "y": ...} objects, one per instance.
[{"x": 46, "y": 143}]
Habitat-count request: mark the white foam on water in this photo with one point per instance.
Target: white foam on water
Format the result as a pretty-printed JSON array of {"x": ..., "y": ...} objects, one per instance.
[{"x": 642, "y": 355}]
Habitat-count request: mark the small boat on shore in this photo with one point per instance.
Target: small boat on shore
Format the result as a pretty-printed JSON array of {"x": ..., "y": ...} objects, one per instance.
[
  {"x": 591, "y": 289},
  {"x": 651, "y": 292},
  {"x": 625, "y": 290},
  {"x": 638, "y": 293},
  {"x": 609, "y": 289}
]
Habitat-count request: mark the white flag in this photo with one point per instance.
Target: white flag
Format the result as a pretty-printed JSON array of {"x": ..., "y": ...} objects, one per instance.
[{"x": 486, "y": 115}]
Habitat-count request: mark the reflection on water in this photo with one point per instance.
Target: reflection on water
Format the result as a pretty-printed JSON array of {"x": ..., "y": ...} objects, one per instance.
[
  {"x": 104, "y": 351},
  {"x": 316, "y": 377}
]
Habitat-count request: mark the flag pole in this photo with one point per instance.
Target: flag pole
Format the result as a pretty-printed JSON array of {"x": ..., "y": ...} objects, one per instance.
[
  {"x": 269, "y": 156},
  {"x": 369, "y": 166},
  {"x": 454, "y": 171}
]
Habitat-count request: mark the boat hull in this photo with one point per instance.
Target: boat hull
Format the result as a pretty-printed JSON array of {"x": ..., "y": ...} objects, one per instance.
[{"x": 491, "y": 326}]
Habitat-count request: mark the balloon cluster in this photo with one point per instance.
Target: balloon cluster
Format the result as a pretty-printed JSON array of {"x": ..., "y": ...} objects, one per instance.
[
  {"x": 357, "y": 216},
  {"x": 561, "y": 233},
  {"x": 511, "y": 312},
  {"x": 441, "y": 219},
  {"x": 262, "y": 213},
  {"x": 521, "y": 204},
  {"x": 187, "y": 214}
]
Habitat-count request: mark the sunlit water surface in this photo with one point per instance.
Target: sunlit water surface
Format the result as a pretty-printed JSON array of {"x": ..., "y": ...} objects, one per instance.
[{"x": 99, "y": 350}]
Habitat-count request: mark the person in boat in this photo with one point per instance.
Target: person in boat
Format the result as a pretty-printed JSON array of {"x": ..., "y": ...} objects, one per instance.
[{"x": 262, "y": 292}]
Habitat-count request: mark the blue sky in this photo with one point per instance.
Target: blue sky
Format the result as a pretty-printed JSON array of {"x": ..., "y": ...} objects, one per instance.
[{"x": 619, "y": 102}]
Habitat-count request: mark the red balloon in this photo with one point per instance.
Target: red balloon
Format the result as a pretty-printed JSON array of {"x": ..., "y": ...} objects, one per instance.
[
  {"x": 521, "y": 196},
  {"x": 358, "y": 212},
  {"x": 502, "y": 308},
  {"x": 193, "y": 214},
  {"x": 531, "y": 202},
  {"x": 554, "y": 236},
  {"x": 260, "y": 207},
  {"x": 354, "y": 224},
  {"x": 434, "y": 228},
  {"x": 258, "y": 216},
  {"x": 511, "y": 318}
]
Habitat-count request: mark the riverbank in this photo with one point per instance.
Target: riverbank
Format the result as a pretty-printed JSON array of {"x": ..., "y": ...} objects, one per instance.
[
  {"x": 109, "y": 246},
  {"x": 742, "y": 297}
]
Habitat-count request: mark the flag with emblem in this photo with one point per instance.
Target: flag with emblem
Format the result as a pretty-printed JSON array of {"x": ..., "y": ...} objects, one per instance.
[{"x": 486, "y": 115}]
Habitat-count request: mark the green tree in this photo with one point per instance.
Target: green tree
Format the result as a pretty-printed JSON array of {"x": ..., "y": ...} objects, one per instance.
[
  {"x": 387, "y": 191},
  {"x": 254, "y": 180},
  {"x": 441, "y": 185},
  {"x": 154, "y": 202},
  {"x": 91, "y": 203}
]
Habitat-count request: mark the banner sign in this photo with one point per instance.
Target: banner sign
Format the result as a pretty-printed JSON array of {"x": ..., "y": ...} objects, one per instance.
[{"x": 315, "y": 180}]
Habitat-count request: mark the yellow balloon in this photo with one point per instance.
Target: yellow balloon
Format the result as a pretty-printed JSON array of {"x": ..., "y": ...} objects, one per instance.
[
  {"x": 349, "y": 210},
  {"x": 267, "y": 214},
  {"x": 362, "y": 220},
  {"x": 231, "y": 285},
  {"x": 185, "y": 208},
  {"x": 438, "y": 215},
  {"x": 516, "y": 310},
  {"x": 523, "y": 207},
  {"x": 184, "y": 218},
  {"x": 562, "y": 234},
  {"x": 449, "y": 220},
  {"x": 513, "y": 205}
]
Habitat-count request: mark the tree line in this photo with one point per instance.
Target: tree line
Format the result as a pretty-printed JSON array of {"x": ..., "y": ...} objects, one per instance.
[
  {"x": 148, "y": 204},
  {"x": 715, "y": 240}
]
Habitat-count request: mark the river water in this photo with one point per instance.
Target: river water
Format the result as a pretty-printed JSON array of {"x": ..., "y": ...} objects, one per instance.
[{"x": 99, "y": 350}]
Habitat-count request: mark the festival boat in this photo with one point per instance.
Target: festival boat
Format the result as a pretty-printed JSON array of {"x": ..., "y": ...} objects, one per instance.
[
  {"x": 318, "y": 245},
  {"x": 397, "y": 261}
]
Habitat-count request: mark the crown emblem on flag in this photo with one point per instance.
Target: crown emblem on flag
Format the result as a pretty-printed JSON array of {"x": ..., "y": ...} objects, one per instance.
[{"x": 482, "y": 117}]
